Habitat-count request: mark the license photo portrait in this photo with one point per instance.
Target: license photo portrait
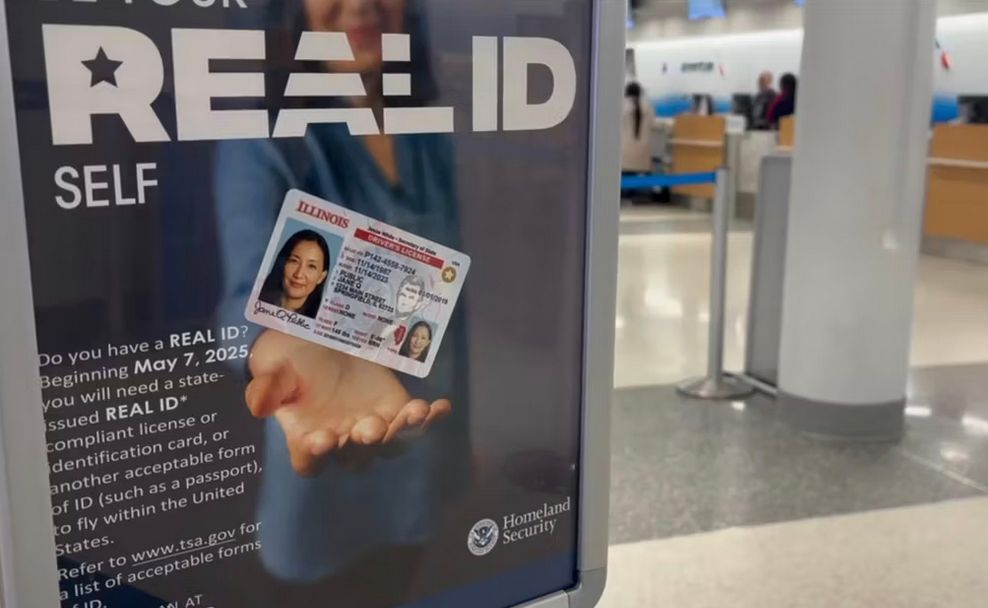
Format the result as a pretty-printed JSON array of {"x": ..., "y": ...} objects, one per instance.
[
  {"x": 418, "y": 341},
  {"x": 297, "y": 277}
]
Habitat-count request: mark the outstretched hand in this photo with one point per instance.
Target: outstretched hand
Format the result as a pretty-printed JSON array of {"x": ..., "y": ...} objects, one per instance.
[{"x": 325, "y": 399}]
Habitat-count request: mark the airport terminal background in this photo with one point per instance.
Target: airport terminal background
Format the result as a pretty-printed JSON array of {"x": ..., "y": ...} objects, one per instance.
[{"x": 727, "y": 503}]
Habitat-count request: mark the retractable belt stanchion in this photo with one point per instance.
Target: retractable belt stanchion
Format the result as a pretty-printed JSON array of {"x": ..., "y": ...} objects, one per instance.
[
  {"x": 716, "y": 384},
  {"x": 664, "y": 180}
]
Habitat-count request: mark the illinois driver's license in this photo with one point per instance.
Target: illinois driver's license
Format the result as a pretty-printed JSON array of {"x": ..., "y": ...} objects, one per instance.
[{"x": 348, "y": 282}]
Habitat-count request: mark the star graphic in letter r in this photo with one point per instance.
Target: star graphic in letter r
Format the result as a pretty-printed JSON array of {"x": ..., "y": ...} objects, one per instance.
[{"x": 102, "y": 68}]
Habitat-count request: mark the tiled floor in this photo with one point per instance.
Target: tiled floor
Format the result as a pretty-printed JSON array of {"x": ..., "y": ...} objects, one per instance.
[
  {"x": 681, "y": 466},
  {"x": 721, "y": 504},
  {"x": 663, "y": 290},
  {"x": 662, "y": 306},
  {"x": 915, "y": 557}
]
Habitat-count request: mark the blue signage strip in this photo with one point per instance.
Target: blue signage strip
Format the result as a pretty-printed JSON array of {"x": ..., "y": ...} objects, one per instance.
[{"x": 634, "y": 182}]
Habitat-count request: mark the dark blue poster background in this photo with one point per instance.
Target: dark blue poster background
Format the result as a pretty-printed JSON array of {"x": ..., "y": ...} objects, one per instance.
[{"x": 166, "y": 490}]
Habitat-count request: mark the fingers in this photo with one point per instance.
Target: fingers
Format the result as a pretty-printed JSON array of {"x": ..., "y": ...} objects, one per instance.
[
  {"x": 307, "y": 450},
  {"x": 300, "y": 451},
  {"x": 369, "y": 430},
  {"x": 390, "y": 409},
  {"x": 439, "y": 409},
  {"x": 268, "y": 392},
  {"x": 322, "y": 442},
  {"x": 411, "y": 415},
  {"x": 418, "y": 414},
  {"x": 303, "y": 462},
  {"x": 415, "y": 412}
]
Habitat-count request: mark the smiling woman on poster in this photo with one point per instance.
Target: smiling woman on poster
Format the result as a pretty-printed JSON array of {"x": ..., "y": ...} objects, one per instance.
[
  {"x": 298, "y": 275},
  {"x": 324, "y": 523}
]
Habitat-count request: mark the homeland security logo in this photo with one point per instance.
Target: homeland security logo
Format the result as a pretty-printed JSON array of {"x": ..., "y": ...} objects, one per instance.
[
  {"x": 483, "y": 537},
  {"x": 517, "y": 527}
]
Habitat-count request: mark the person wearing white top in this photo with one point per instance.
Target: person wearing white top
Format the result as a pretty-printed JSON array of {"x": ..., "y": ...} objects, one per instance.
[{"x": 636, "y": 132}]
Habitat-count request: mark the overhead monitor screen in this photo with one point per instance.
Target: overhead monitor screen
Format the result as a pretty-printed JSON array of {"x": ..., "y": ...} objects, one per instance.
[{"x": 707, "y": 9}]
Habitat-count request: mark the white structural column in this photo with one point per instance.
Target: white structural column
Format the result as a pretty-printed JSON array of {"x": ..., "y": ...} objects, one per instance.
[{"x": 855, "y": 219}]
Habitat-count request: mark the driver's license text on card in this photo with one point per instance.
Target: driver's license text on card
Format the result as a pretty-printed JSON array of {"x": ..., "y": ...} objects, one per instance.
[{"x": 348, "y": 282}]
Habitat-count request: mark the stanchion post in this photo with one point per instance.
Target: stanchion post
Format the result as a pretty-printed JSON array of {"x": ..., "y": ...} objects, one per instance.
[{"x": 716, "y": 385}]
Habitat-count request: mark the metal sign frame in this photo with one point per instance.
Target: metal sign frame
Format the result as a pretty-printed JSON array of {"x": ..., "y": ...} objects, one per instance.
[{"x": 28, "y": 570}]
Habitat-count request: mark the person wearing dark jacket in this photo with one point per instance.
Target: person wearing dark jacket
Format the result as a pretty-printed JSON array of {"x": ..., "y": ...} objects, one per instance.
[
  {"x": 785, "y": 104},
  {"x": 763, "y": 101}
]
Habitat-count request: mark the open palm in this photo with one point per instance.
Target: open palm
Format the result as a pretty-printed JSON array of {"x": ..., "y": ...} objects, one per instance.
[{"x": 325, "y": 399}]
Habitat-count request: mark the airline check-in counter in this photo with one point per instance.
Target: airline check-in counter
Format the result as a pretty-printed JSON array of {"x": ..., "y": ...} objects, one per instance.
[
  {"x": 956, "y": 223},
  {"x": 956, "y": 216}
]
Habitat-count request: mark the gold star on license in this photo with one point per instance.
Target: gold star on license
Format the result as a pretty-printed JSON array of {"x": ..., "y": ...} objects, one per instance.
[{"x": 449, "y": 274}]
